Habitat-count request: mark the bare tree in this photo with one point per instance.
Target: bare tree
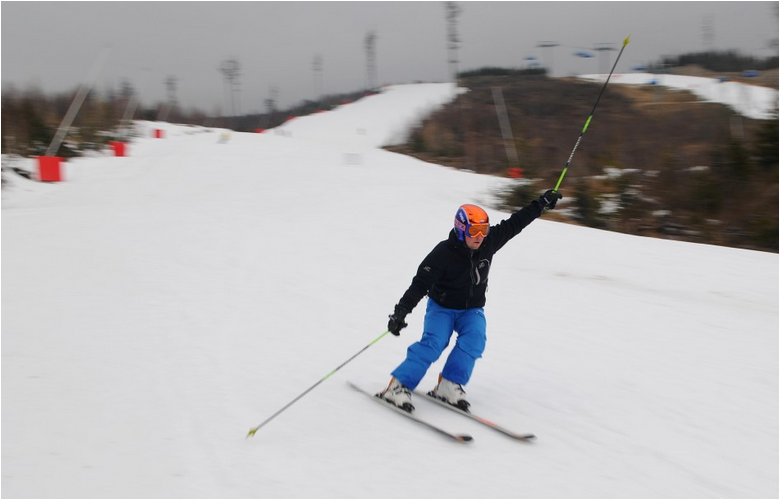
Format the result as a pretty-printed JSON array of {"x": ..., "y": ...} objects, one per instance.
[
  {"x": 452, "y": 38},
  {"x": 230, "y": 68},
  {"x": 271, "y": 101},
  {"x": 171, "y": 89},
  {"x": 129, "y": 99},
  {"x": 369, "y": 47},
  {"x": 171, "y": 93},
  {"x": 318, "y": 68},
  {"x": 708, "y": 31}
]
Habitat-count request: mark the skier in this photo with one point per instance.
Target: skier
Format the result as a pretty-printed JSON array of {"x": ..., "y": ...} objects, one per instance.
[{"x": 454, "y": 276}]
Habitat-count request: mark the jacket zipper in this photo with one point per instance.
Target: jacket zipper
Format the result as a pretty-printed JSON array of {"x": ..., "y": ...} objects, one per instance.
[{"x": 470, "y": 292}]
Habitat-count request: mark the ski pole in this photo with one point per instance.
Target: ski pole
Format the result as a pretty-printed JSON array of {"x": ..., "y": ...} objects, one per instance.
[
  {"x": 253, "y": 431},
  {"x": 590, "y": 117}
]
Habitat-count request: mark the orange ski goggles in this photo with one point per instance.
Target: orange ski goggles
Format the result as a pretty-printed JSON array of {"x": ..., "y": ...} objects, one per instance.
[{"x": 477, "y": 229}]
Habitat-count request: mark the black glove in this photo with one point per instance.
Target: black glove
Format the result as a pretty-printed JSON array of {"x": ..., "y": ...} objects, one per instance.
[
  {"x": 397, "y": 320},
  {"x": 548, "y": 200}
]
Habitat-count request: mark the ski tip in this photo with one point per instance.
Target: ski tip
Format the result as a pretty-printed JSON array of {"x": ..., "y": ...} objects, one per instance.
[{"x": 464, "y": 438}]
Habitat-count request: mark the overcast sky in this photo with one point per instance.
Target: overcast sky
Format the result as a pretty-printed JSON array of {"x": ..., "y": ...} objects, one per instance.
[{"x": 55, "y": 45}]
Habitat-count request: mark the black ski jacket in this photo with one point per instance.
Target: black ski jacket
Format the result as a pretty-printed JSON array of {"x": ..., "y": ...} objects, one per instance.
[{"x": 456, "y": 277}]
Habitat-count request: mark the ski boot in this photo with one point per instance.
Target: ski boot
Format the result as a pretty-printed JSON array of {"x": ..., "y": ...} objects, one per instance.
[
  {"x": 451, "y": 393},
  {"x": 396, "y": 393}
]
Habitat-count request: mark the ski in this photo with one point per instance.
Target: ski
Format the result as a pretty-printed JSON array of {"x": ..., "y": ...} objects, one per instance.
[
  {"x": 484, "y": 421},
  {"x": 458, "y": 437}
]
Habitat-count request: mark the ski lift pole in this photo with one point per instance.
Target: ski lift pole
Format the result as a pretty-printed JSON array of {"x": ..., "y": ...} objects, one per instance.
[
  {"x": 253, "y": 431},
  {"x": 590, "y": 116},
  {"x": 130, "y": 110},
  {"x": 81, "y": 94}
]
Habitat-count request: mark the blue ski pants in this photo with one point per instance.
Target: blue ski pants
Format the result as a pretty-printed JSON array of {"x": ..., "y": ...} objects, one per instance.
[{"x": 439, "y": 324}]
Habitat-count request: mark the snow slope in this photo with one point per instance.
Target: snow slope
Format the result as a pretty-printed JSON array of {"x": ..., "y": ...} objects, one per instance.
[
  {"x": 752, "y": 101},
  {"x": 156, "y": 307}
]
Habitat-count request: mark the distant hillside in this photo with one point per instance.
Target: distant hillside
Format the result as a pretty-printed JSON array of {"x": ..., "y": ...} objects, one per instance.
[{"x": 653, "y": 162}]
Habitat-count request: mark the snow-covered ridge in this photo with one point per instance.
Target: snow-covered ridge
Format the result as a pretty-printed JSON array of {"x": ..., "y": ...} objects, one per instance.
[{"x": 752, "y": 101}]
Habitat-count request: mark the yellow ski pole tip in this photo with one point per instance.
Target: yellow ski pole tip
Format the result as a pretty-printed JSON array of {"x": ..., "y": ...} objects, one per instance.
[
  {"x": 252, "y": 433},
  {"x": 627, "y": 39}
]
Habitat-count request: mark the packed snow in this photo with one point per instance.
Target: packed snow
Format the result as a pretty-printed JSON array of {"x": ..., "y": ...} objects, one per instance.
[{"x": 156, "y": 307}]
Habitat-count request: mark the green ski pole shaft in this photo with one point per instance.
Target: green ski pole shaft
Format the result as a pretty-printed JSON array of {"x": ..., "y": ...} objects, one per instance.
[
  {"x": 590, "y": 117},
  {"x": 253, "y": 431}
]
